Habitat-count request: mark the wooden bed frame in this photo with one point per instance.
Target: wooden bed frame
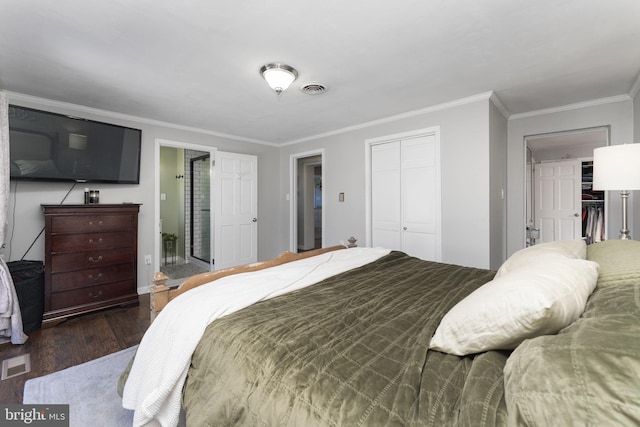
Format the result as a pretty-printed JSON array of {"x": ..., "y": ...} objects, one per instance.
[{"x": 161, "y": 294}]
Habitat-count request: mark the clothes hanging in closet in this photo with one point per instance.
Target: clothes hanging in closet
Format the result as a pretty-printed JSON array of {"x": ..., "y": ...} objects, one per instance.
[{"x": 593, "y": 223}]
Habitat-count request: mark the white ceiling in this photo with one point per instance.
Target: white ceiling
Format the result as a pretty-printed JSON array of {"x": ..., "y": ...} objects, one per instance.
[{"x": 195, "y": 63}]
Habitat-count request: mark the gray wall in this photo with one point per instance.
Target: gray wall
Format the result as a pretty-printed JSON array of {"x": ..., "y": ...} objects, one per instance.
[
  {"x": 618, "y": 114},
  {"x": 465, "y": 153},
  {"x": 634, "y": 219},
  {"x": 25, "y": 216},
  {"x": 479, "y": 227},
  {"x": 498, "y": 185}
]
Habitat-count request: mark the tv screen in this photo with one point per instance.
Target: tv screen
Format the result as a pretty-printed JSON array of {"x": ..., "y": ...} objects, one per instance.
[{"x": 55, "y": 147}]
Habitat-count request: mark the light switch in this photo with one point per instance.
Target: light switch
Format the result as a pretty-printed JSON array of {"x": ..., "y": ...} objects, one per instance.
[
  {"x": 163, "y": 196},
  {"x": 341, "y": 197}
]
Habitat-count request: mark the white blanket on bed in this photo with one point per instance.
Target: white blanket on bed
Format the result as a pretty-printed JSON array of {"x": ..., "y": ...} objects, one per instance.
[
  {"x": 10, "y": 315},
  {"x": 154, "y": 386}
]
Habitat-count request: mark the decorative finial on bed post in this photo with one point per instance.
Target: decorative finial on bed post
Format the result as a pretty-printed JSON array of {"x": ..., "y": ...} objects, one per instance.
[
  {"x": 352, "y": 242},
  {"x": 159, "y": 294},
  {"x": 160, "y": 278}
]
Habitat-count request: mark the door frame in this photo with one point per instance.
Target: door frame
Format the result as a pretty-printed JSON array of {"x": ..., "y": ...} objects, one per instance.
[
  {"x": 204, "y": 158},
  {"x": 160, "y": 142},
  {"x": 293, "y": 195},
  {"x": 527, "y": 189},
  {"x": 368, "y": 143}
]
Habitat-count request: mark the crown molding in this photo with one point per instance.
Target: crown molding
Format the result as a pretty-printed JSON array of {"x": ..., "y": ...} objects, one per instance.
[
  {"x": 413, "y": 113},
  {"x": 569, "y": 107},
  {"x": 491, "y": 95},
  {"x": 635, "y": 87},
  {"x": 79, "y": 109},
  {"x": 499, "y": 105}
]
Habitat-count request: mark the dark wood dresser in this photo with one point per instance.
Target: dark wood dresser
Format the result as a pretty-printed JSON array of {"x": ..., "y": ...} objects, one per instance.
[{"x": 91, "y": 254}]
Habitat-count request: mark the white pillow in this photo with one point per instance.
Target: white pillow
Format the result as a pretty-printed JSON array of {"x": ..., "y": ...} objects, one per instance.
[
  {"x": 576, "y": 248},
  {"x": 537, "y": 300}
]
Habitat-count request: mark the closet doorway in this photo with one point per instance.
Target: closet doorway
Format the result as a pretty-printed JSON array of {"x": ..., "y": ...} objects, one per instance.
[
  {"x": 404, "y": 193},
  {"x": 307, "y": 217},
  {"x": 560, "y": 202}
]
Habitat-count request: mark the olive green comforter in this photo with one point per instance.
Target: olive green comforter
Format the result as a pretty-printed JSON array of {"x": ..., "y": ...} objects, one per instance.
[
  {"x": 352, "y": 351},
  {"x": 349, "y": 351},
  {"x": 588, "y": 374}
]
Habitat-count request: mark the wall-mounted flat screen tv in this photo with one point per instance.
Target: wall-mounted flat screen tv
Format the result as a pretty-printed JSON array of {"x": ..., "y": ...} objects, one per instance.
[{"x": 54, "y": 147}]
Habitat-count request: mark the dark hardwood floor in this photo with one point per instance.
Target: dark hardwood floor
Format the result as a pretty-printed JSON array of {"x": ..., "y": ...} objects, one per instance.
[{"x": 75, "y": 341}]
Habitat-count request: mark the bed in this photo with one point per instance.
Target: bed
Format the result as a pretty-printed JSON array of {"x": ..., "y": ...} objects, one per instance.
[{"x": 368, "y": 337}]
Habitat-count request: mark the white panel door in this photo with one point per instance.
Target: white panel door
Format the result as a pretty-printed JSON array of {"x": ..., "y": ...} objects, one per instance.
[
  {"x": 420, "y": 197},
  {"x": 236, "y": 209},
  {"x": 558, "y": 192},
  {"x": 405, "y": 196},
  {"x": 386, "y": 220}
]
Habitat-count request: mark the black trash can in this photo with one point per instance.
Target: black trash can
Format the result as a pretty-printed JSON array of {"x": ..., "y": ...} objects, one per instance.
[{"x": 28, "y": 279}]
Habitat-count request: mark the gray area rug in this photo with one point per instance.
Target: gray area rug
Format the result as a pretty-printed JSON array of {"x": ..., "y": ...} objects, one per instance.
[{"x": 90, "y": 389}]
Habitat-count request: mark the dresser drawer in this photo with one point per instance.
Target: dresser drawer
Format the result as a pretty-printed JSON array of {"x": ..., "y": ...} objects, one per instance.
[
  {"x": 91, "y": 256},
  {"x": 90, "y": 242},
  {"x": 91, "y": 223},
  {"x": 91, "y": 295},
  {"x": 90, "y": 259},
  {"x": 91, "y": 277}
]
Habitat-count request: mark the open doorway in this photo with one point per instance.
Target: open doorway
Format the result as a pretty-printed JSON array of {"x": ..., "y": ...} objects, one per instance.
[
  {"x": 560, "y": 202},
  {"x": 307, "y": 201},
  {"x": 184, "y": 212},
  {"x": 216, "y": 225}
]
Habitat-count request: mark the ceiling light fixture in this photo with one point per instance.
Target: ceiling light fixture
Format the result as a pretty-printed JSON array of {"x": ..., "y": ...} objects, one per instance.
[{"x": 278, "y": 76}]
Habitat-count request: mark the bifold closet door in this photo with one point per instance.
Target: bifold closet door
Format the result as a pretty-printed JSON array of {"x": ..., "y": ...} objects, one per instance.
[
  {"x": 386, "y": 219},
  {"x": 405, "y": 199},
  {"x": 419, "y": 197}
]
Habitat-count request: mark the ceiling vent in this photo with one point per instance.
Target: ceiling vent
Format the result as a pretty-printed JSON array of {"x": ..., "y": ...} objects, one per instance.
[{"x": 313, "y": 88}]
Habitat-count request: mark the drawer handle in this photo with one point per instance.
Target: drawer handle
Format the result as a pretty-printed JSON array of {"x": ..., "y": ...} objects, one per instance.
[
  {"x": 99, "y": 294},
  {"x": 94, "y": 242},
  {"x": 98, "y": 277},
  {"x": 92, "y": 259},
  {"x": 98, "y": 223}
]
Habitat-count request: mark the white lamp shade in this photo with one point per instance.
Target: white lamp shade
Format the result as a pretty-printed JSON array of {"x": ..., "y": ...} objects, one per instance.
[
  {"x": 616, "y": 167},
  {"x": 77, "y": 141}
]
